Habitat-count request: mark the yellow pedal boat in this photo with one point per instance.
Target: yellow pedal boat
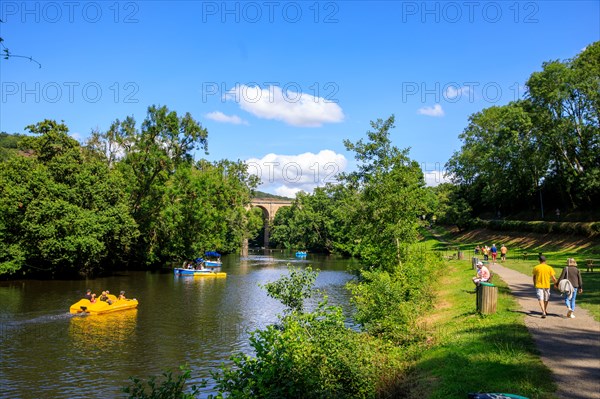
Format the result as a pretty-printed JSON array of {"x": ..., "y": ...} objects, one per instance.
[{"x": 100, "y": 307}]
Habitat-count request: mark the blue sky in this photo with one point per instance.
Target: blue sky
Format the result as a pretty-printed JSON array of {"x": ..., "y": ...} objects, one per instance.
[{"x": 281, "y": 84}]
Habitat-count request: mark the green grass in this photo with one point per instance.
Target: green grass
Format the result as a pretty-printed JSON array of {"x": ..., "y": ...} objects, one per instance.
[{"x": 468, "y": 352}]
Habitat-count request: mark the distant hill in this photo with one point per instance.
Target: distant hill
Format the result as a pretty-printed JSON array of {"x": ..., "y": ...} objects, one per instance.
[
  {"x": 8, "y": 144},
  {"x": 260, "y": 194}
]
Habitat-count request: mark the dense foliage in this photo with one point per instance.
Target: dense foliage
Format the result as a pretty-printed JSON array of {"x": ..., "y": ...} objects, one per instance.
[
  {"x": 129, "y": 197},
  {"x": 539, "y": 153},
  {"x": 371, "y": 213},
  {"x": 388, "y": 303}
]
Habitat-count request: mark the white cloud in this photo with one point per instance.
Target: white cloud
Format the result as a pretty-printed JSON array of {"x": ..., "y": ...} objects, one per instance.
[
  {"x": 455, "y": 93},
  {"x": 435, "y": 177},
  {"x": 293, "y": 108},
  {"x": 77, "y": 136},
  {"x": 435, "y": 111},
  {"x": 286, "y": 191},
  {"x": 221, "y": 117},
  {"x": 288, "y": 174}
]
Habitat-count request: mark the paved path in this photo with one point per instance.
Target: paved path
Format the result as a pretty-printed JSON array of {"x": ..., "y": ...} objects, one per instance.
[{"x": 568, "y": 347}]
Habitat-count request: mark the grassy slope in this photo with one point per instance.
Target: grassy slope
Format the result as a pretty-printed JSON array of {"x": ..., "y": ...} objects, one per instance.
[
  {"x": 467, "y": 352},
  {"x": 556, "y": 248}
]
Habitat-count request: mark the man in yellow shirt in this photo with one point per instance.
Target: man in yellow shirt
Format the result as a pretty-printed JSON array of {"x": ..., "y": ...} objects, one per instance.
[{"x": 542, "y": 274}]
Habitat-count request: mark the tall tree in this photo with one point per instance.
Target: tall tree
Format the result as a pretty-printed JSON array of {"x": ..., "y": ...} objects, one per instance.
[
  {"x": 565, "y": 96},
  {"x": 149, "y": 157},
  {"x": 391, "y": 188}
]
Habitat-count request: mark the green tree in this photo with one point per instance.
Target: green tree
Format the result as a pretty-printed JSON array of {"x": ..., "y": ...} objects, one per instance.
[
  {"x": 148, "y": 159},
  {"x": 61, "y": 212},
  {"x": 391, "y": 196},
  {"x": 566, "y": 104},
  {"x": 499, "y": 165},
  {"x": 543, "y": 151},
  {"x": 294, "y": 289}
]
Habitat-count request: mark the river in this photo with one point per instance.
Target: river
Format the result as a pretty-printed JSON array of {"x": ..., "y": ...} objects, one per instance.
[{"x": 45, "y": 352}]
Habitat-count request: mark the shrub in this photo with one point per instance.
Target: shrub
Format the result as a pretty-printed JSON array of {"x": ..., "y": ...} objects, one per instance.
[
  {"x": 170, "y": 388},
  {"x": 388, "y": 304}
]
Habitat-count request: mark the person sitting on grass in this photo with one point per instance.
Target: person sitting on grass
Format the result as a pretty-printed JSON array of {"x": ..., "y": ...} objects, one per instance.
[{"x": 483, "y": 274}]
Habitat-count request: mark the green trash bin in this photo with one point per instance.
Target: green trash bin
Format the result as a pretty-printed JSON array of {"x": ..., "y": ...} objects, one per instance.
[{"x": 487, "y": 298}]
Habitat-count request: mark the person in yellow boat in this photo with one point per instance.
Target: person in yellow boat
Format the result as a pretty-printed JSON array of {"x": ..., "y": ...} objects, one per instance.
[
  {"x": 104, "y": 297},
  {"x": 93, "y": 298},
  {"x": 122, "y": 295}
]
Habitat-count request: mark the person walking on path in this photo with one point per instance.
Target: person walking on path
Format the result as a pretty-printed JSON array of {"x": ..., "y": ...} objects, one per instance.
[
  {"x": 503, "y": 251},
  {"x": 494, "y": 251},
  {"x": 571, "y": 273},
  {"x": 542, "y": 274},
  {"x": 570, "y": 348}
]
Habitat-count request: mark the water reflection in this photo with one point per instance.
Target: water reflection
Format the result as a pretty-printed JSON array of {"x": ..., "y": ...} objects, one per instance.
[{"x": 102, "y": 333}]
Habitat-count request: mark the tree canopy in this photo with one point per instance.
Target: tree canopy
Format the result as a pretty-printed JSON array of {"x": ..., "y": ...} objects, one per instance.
[{"x": 542, "y": 151}]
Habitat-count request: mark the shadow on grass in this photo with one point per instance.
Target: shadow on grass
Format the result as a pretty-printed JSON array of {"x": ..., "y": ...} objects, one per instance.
[
  {"x": 498, "y": 358},
  {"x": 591, "y": 288}
]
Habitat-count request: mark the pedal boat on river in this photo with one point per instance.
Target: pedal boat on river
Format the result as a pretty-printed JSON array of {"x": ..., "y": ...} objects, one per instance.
[
  {"x": 199, "y": 268},
  {"x": 101, "y": 307},
  {"x": 205, "y": 272}
]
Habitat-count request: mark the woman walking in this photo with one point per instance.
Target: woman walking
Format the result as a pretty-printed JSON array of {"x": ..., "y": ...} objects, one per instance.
[{"x": 571, "y": 273}]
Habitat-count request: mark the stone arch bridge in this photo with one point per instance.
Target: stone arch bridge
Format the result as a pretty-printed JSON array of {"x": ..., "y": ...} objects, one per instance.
[{"x": 269, "y": 206}]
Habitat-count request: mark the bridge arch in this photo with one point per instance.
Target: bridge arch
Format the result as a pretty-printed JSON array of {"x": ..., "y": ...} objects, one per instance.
[{"x": 270, "y": 206}]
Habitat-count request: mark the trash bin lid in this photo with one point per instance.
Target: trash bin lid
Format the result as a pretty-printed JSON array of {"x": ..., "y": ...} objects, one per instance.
[
  {"x": 495, "y": 396},
  {"x": 488, "y": 284}
]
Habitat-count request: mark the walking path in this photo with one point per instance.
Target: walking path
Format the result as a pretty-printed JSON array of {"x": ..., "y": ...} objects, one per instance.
[{"x": 570, "y": 348}]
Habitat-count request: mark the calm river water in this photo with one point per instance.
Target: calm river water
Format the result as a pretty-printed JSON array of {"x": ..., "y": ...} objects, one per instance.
[{"x": 47, "y": 353}]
